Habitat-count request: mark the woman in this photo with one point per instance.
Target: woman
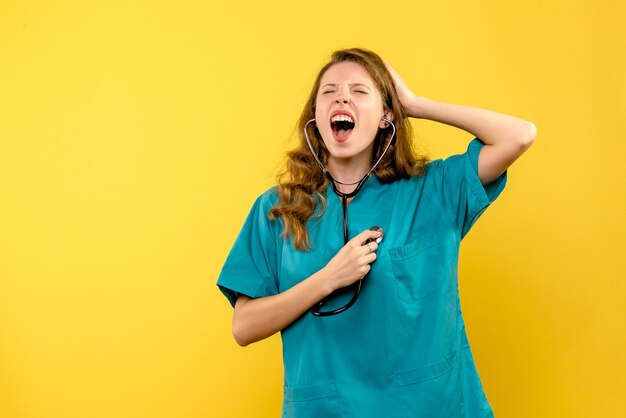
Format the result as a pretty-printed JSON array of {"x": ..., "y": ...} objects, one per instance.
[{"x": 400, "y": 349}]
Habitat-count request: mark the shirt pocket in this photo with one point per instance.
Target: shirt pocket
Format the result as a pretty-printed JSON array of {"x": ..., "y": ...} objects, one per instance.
[
  {"x": 428, "y": 372},
  {"x": 435, "y": 390},
  {"x": 417, "y": 269},
  {"x": 313, "y": 401}
]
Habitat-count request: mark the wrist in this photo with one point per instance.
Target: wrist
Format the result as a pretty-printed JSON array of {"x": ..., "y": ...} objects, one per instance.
[
  {"x": 418, "y": 107},
  {"x": 323, "y": 279}
]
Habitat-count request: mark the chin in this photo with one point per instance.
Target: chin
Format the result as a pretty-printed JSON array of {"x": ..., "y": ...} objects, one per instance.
[{"x": 343, "y": 154}]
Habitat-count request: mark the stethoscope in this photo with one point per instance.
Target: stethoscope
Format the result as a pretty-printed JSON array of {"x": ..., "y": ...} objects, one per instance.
[{"x": 316, "y": 309}]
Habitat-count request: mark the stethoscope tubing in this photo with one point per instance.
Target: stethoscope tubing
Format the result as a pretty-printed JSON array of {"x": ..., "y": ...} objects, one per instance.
[
  {"x": 316, "y": 309},
  {"x": 365, "y": 177}
]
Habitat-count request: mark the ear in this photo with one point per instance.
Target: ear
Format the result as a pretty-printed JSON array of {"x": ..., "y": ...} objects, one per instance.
[{"x": 383, "y": 124}]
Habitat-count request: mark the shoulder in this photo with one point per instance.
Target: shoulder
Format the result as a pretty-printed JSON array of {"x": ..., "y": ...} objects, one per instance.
[
  {"x": 436, "y": 173},
  {"x": 432, "y": 169},
  {"x": 455, "y": 165},
  {"x": 266, "y": 200}
]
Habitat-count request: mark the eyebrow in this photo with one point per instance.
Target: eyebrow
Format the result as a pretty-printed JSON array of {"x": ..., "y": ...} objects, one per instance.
[{"x": 351, "y": 85}]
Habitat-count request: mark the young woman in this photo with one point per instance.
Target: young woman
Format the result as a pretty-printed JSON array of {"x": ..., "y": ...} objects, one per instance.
[{"x": 370, "y": 318}]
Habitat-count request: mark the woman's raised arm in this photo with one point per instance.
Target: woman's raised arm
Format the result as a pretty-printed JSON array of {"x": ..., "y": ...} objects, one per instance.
[{"x": 506, "y": 137}]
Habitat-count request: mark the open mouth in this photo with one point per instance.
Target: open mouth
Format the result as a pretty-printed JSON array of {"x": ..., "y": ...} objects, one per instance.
[{"x": 342, "y": 126}]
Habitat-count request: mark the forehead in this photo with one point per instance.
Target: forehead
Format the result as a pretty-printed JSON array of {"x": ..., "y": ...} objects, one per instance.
[{"x": 347, "y": 72}]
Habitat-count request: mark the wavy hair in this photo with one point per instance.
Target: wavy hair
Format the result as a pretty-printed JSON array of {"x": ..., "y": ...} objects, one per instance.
[{"x": 301, "y": 184}]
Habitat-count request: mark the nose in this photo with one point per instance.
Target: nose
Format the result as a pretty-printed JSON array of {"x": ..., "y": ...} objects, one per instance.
[{"x": 342, "y": 96}]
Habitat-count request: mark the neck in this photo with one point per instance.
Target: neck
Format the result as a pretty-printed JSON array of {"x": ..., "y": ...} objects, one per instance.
[{"x": 348, "y": 171}]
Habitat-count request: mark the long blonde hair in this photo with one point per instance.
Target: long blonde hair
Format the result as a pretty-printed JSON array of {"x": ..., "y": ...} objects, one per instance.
[{"x": 302, "y": 183}]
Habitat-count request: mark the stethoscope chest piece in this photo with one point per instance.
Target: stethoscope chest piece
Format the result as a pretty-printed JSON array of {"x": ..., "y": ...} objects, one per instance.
[
  {"x": 357, "y": 286},
  {"x": 379, "y": 239}
]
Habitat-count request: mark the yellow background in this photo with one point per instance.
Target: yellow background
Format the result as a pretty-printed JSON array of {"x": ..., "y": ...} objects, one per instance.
[{"x": 135, "y": 136}]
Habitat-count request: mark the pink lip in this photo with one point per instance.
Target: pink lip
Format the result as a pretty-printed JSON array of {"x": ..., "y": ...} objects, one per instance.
[{"x": 342, "y": 112}]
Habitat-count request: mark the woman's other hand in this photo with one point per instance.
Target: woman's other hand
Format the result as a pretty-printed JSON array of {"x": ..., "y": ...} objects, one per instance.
[
  {"x": 408, "y": 99},
  {"x": 353, "y": 261}
]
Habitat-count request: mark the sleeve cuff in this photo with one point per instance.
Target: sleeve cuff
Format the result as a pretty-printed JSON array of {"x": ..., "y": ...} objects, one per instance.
[
  {"x": 232, "y": 292},
  {"x": 481, "y": 196}
]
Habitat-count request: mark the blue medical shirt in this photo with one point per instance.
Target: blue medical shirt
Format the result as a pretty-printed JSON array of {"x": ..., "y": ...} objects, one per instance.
[{"x": 401, "y": 350}]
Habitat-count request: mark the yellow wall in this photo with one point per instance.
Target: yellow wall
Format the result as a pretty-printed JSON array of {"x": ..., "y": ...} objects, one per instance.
[{"x": 134, "y": 137}]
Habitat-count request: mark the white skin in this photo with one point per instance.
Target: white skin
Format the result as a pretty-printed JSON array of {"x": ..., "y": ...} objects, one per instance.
[
  {"x": 346, "y": 86},
  {"x": 506, "y": 138}
]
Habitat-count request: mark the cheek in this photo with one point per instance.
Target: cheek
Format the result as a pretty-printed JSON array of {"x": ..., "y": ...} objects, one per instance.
[
  {"x": 317, "y": 109},
  {"x": 317, "y": 114},
  {"x": 374, "y": 114},
  {"x": 319, "y": 118}
]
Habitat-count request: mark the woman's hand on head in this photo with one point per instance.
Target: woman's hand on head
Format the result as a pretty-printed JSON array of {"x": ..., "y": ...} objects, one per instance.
[
  {"x": 408, "y": 99},
  {"x": 353, "y": 261}
]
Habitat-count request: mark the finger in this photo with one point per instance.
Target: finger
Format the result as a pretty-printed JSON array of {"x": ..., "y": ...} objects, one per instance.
[
  {"x": 365, "y": 235},
  {"x": 393, "y": 72},
  {"x": 370, "y": 247},
  {"x": 370, "y": 258},
  {"x": 365, "y": 269}
]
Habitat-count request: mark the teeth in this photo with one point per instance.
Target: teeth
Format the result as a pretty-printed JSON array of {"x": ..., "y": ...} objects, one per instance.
[{"x": 342, "y": 118}]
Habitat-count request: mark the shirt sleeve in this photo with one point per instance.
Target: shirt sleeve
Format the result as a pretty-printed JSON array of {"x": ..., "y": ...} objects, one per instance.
[
  {"x": 251, "y": 265},
  {"x": 464, "y": 196}
]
